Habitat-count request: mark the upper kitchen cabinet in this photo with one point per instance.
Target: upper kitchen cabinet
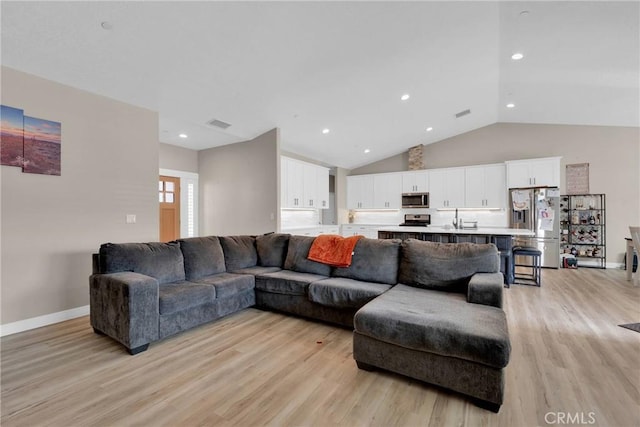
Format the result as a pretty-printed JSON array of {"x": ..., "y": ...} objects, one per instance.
[
  {"x": 360, "y": 192},
  {"x": 533, "y": 173},
  {"x": 374, "y": 191},
  {"x": 291, "y": 183},
  {"x": 485, "y": 186},
  {"x": 415, "y": 182},
  {"x": 303, "y": 185},
  {"x": 387, "y": 188},
  {"x": 322, "y": 175},
  {"x": 310, "y": 187},
  {"x": 446, "y": 188}
]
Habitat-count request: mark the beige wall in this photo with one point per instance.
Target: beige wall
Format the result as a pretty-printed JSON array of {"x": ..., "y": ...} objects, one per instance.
[
  {"x": 613, "y": 154},
  {"x": 240, "y": 187},
  {"x": 52, "y": 224},
  {"x": 178, "y": 158}
]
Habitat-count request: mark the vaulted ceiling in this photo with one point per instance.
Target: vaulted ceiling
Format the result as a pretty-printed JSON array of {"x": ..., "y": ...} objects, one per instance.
[{"x": 341, "y": 66}]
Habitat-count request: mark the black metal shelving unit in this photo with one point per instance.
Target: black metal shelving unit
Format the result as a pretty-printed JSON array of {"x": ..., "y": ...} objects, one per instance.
[{"x": 583, "y": 228}]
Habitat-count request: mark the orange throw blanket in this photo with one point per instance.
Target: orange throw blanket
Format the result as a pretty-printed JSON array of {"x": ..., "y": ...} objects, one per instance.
[{"x": 333, "y": 250}]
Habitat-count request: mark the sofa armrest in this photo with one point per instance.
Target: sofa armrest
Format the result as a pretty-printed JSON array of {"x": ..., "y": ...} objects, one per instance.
[
  {"x": 125, "y": 306},
  {"x": 486, "y": 289}
]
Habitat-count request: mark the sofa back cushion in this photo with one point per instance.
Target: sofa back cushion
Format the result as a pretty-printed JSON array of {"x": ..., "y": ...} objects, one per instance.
[
  {"x": 373, "y": 261},
  {"x": 297, "y": 260},
  {"x": 445, "y": 266},
  {"x": 162, "y": 261},
  {"x": 203, "y": 256},
  {"x": 239, "y": 252},
  {"x": 272, "y": 249}
]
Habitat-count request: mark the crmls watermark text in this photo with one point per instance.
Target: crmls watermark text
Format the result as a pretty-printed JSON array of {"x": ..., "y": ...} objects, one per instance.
[{"x": 560, "y": 417}]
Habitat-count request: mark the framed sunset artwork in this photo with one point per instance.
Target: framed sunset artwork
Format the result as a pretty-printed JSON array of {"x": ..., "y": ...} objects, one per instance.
[
  {"x": 42, "y": 146},
  {"x": 11, "y": 136}
]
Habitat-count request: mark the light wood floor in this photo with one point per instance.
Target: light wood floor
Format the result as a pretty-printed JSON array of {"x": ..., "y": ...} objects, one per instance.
[{"x": 260, "y": 368}]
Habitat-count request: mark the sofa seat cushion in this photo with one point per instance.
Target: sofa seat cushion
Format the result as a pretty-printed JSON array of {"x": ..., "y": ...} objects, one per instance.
[
  {"x": 179, "y": 296},
  {"x": 297, "y": 260},
  {"x": 445, "y": 265},
  {"x": 256, "y": 270},
  {"x": 437, "y": 322},
  {"x": 373, "y": 261},
  {"x": 272, "y": 249},
  {"x": 162, "y": 261},
  {"x": 203, "y": 256},
  {"x": 239, "y": 251},
  {"x": 344, "y": 293},
  {"x": 286, "y": 282},
  {"x": 228, "y": 284}
]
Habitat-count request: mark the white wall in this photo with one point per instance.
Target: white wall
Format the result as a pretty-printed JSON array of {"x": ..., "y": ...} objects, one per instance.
[
  {"x": 178, "y": 158},
  {"x": 52, "y": 224},
  {"x": 240, "y": 187}
]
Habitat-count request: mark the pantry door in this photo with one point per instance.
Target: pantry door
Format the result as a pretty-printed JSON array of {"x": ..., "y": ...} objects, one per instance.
[{"x": 169, "y": 198}]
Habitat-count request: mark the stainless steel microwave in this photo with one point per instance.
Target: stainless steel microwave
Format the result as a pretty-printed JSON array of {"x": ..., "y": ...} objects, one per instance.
[{"x": 415, "y": 200}]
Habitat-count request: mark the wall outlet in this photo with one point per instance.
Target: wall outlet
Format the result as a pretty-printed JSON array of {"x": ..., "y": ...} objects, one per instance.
[{"x": 131, "y": 219}]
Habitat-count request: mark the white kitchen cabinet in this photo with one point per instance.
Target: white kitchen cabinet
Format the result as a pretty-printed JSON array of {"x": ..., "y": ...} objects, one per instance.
[
  {"x": 485, "y": 186},
  {"x": 310, "y": 231},
  {"x": 292, "y": 183},
  {"x": 387, "y": 190},
  {"x": 310, "y": 187},
  {"x": 322, "y": 175},
  {"x": 446, "y": 188},
  {"x": 375, "y": 191},
  {"x": 330, "y": 229},
  {"x": 369, "y": 231},
  {"x": 360, "y": 192},
  {"x": 303, "y": 185},
  {"x": 415, "y": 182},
  {"x": 533, "y": 173}
]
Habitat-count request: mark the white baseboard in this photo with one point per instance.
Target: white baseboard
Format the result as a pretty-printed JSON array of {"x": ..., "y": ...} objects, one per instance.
[{"x": 47, "y": 319}]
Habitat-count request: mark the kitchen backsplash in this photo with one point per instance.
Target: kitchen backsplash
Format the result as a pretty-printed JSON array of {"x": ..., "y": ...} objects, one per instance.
[
  {"x": 484, "y": 218},
  {"x": 377, "y": 217},
  {"x": 297, "y": 218}
]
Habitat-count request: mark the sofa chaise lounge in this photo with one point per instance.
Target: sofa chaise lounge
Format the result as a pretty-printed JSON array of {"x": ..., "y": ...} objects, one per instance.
[{"x": 426, "y": 310}]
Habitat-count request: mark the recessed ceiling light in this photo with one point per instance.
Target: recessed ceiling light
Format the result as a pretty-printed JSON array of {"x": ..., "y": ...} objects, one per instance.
[
  {"x": 511, "y": 105},
  {"x": 429, "y": 129},
  {"x": 183, "y": 135},
  {"x": 325, "y": 131},
  {"x": 366, "y": 151},
  {"x": 106, "y": 25},
  {"x": 405, "y": 97},
  {"x": 517, "y": 56}
]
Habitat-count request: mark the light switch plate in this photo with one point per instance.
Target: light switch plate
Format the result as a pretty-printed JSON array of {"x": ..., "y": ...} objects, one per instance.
[{"x": 131, "y": 219}]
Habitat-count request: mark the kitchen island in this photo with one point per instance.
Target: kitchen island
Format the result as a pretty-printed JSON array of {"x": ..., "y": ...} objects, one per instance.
[{"x": 501, "y": 237}]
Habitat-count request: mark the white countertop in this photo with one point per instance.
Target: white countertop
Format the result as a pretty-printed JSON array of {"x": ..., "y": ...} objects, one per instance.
[{"x": 496, "y": 231}]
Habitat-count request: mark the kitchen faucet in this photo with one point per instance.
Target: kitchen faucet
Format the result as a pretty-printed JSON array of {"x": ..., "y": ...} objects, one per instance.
[{"x": 456, "y": 221}]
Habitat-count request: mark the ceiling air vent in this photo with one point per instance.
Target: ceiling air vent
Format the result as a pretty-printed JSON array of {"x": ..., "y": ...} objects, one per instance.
[
  {"x": 218, "y": 123},
  {"x": 462, "y": 113}
]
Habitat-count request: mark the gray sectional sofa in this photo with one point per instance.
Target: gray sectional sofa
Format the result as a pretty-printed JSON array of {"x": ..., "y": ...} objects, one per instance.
[{"x": 426, "y": 310}]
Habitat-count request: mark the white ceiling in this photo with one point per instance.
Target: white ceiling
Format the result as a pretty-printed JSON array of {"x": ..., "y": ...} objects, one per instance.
[{"x": 305, "y": 66}]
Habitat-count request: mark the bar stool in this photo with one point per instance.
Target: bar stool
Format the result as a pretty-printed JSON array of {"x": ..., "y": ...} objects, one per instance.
[{"x": 532, "y": 278}]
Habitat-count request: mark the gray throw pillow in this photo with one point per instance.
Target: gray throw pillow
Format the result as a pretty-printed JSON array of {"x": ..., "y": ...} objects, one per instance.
[
  {"x": 162, "y": 261},
  {"x": 373, "y": 261},
  {"x": 272, "y": 249},
  {"x": 445, "y": 266},
  {"x": 203, "y": 256},
  {"x": 297, "y": 257},
  {"x": 239, "y": 252}
]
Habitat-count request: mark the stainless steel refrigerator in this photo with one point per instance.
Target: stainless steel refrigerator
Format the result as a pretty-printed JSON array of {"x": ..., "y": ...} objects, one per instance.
[{"x": 538, "y": 210}]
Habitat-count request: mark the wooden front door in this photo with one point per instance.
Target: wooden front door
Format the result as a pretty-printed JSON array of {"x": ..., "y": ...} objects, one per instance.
[{"x": 169, "y": 198}]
